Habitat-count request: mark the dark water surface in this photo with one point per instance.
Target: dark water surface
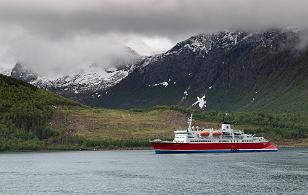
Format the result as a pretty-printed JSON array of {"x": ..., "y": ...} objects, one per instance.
[{"x": 143, "y": 172}]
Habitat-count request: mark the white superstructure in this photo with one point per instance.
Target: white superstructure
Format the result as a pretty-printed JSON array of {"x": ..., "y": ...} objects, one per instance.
[{"x": 224, "y": 134}]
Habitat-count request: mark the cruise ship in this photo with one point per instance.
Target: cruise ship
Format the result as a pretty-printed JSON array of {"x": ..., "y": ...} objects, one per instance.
[{"x": 225, "y": 139}]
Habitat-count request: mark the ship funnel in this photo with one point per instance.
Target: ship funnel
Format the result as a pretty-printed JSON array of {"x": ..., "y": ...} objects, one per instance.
[{"x": 225, "y": 126}]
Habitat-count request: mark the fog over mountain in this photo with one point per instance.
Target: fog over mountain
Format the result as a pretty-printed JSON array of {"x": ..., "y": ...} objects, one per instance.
[{"x": 58, "y": 37}]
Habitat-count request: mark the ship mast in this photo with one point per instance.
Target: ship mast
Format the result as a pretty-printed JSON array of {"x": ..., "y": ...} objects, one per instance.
[{"x": 189, "y": 123}]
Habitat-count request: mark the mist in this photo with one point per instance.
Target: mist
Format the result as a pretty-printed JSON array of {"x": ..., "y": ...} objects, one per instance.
[
  {"x": 62, "y": 36},
  {"x": 51, "y": 57}
]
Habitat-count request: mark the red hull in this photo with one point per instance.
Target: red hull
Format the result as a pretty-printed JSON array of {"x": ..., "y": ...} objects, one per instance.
[{"x": 170, "y": 147}]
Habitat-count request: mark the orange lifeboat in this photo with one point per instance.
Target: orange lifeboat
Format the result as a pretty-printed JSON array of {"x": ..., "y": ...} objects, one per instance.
[
  {"x": 217, "y": 133},
  {"x": 205, "y": 133}
]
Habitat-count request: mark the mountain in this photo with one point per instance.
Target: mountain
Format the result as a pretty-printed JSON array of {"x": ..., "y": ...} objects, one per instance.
[
  {"x": 5, "y": 70},
  {"x": 86, "y": 82},
  {"x": 234, "y": 71},
  {"x": 23, "y": 73}
]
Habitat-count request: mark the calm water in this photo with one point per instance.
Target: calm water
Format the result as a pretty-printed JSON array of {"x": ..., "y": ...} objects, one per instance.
[{"x": 143, "y": 172}]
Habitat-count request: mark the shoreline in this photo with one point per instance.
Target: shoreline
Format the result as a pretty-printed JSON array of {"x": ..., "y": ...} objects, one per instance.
[{"x": 111, "y": 149}]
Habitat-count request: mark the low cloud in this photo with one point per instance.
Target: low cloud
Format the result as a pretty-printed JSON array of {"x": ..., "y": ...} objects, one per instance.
[
  {"x": 60, "y": 36},
  {"x": 169, "y": 18},
  {"x": 53, "y": 56}
]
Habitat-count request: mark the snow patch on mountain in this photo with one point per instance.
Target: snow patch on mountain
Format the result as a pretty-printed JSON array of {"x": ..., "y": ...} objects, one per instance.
[
  {"x": 204, "y": 43},
  {"x": 150, "y": 59},
  {"x": 91, "y": 79},
  {"x": 5, "y": 71},
  {"x": 165, "y": 84},
  {"x": 201, "y": 102}
]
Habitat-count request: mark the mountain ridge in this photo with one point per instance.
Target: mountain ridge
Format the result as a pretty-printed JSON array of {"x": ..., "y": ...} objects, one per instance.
[
  {"x": 84, "y": 81},
  {"x": 234, "y": 70}
]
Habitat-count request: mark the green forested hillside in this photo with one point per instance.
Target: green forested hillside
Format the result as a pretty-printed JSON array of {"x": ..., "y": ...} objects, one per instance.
[
  {"x": 24, "y": 114},
  {"x": 35, "y": 119}
]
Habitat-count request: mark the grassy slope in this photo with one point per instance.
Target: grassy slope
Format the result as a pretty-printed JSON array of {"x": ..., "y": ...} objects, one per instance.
[{"x": 105, "y": 127}]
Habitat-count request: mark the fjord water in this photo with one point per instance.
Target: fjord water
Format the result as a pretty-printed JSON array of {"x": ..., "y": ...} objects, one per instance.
[{"x": 143, "y": 172}]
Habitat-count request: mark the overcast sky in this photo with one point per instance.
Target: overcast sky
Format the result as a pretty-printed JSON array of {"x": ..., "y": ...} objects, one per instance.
[{"x": 59, "y": 35}]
